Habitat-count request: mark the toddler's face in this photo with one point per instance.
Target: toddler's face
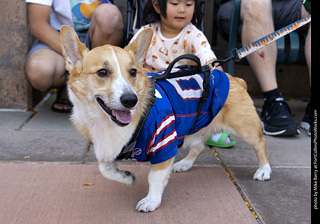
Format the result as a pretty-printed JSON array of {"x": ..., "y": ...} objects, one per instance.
[{"x": 179, "y": 13}]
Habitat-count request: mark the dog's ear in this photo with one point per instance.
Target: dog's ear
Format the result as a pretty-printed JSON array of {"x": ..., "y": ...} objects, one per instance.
[
  {"x": 139, "y": 47},
  {"x": 72, "y": 48}
]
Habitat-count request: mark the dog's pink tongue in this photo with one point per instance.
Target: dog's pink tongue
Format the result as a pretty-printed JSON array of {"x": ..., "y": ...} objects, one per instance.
[{"x": 122, "y": 116}]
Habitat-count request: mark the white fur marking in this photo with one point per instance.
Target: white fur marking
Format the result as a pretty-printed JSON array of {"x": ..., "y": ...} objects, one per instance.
[
  {"x": 109, "y": 170},
  {"x": 120, "y": 85},
  {"x": 182, "y": 165},
  {"x": 116, "y": 60},
  {"x": 263, "y": 173}
]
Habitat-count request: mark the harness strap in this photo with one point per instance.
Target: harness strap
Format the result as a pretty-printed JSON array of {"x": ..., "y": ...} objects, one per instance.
[
  {"x": 167, "y": 73},
  {"x": 190, "y": 70},
  {"x": 128, "y": 149},
  {"x": 205, "y": 94}
]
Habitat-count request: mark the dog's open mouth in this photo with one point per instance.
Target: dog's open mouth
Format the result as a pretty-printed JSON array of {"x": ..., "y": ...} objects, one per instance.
[{"x": 120, "y": 117}]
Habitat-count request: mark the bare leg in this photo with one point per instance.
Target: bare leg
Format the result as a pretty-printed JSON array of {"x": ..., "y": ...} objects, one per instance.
[
  {"x": 307, "y": 49},
  {"x": 308, "y": 52},
  {"x": 46, "y": 69},
  {"x": 258, "y": 22},
  {"x": 106, "y": 26}
]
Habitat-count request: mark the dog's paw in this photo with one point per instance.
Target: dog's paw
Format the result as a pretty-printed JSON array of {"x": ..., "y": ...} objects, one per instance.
[
  {"x": 148, "y": 204},
  {"x": 110, "y": 171},
  {"x": 263, "y": 173},
  {"x": 182, "y": 166},
  {"x": 128, "y": 178}
]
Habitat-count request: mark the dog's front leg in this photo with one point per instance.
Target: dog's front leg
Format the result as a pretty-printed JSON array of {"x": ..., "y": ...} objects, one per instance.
[
  {"x": 158, "y": 178},
  {"x": 110, "y": 171}
]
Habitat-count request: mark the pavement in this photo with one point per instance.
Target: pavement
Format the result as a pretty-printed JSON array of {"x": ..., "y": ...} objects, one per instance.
[{"x": 47, "y": 176}]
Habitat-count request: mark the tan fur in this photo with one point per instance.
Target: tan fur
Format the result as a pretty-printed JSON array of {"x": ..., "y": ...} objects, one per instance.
[
  {"x": 161, "y": 166},
  {"x": 92, "y": 92},
  {"x": 239, "y": 117},
  {"x": 240, "y": 81}
]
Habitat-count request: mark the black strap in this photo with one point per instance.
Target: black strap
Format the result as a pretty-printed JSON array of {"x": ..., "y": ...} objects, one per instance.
[
  {"x": 190, "y": 70},
  {"x": 206, "y": 70},
  {"x": 128, "y": 149},
  {"x": 193, "y": 69}
]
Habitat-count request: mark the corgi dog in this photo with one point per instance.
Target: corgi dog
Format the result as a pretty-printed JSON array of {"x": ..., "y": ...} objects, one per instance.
[{"x": 111, "y": 93}]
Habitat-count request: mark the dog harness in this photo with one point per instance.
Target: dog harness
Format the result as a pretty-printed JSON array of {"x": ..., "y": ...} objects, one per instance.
[{"x": 185, "y": 102}]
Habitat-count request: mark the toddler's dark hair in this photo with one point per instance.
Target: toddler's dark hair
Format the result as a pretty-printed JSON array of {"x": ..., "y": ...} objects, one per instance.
[{"x": 151, "y": 16}]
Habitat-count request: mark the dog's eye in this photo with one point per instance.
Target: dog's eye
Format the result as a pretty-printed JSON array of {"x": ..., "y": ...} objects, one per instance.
[
  {"x": 103, "y": 73},
  {"x": 133, "y": 72}
]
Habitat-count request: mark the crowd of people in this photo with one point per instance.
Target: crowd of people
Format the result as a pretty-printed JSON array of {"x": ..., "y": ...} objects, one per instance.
[{"x": 176, "y": 27}]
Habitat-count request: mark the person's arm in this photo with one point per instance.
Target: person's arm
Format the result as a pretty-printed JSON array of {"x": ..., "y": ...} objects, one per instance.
[
  {"x": 40, "y": 28},
  {"x": 202, "y": 49}
]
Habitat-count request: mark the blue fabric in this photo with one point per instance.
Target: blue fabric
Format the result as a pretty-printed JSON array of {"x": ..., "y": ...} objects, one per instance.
[{"x": 174, "y": 112}]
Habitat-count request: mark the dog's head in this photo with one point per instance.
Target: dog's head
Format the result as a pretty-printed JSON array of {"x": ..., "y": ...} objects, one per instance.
[{"x": 108, "y": 78}]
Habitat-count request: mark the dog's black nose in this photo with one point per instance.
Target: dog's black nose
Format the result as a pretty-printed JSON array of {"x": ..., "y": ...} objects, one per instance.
[{"x": 129, "y": 100}]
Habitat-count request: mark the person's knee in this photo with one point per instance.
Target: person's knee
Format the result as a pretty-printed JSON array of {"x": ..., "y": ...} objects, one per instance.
[
  {"x": 34, "y": 74},
  {"x": 109, "y": 19},
  {"x": 45, "y": 69}
]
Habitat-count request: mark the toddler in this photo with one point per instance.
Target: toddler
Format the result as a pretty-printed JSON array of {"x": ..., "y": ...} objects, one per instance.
[{"x": 175, "y": 34}]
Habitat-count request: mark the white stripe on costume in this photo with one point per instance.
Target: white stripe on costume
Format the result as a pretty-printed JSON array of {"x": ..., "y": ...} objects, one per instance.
[
  {"x": 167, "y": 122},
  {"x": 168, "y": 139}
]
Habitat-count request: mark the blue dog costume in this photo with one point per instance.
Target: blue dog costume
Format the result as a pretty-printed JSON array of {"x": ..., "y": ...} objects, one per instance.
[{"x": 172, "y": 116}]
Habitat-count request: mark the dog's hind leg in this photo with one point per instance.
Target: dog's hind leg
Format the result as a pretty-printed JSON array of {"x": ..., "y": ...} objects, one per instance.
[
  {"x": 109, "y": 170},
  {"x": 196, "y": 145},
  {"x": 259, "y": 145},
  {"x": 239, "y": 117}
]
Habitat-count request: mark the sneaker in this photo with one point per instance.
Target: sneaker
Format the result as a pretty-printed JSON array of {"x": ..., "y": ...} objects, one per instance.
[
  {"x": 276, "y": 119},
  {"x": 306, "y": 121}
]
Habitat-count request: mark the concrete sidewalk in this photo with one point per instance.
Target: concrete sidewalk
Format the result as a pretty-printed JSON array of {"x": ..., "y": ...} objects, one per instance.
[{"x": 43, "y": 179}]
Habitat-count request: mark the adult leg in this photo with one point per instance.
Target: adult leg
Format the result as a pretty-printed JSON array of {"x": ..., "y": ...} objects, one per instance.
[
  {"x": 257, "y": 22},
  {"x": 106, "y": 26},
  {"x": 46, "y": 69},
  {"x": 306, "y": 121},
  {"x": 307, "y": 49}
]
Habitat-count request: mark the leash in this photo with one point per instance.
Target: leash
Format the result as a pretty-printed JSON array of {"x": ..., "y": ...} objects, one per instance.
[{"x": 238, "y": 54}]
